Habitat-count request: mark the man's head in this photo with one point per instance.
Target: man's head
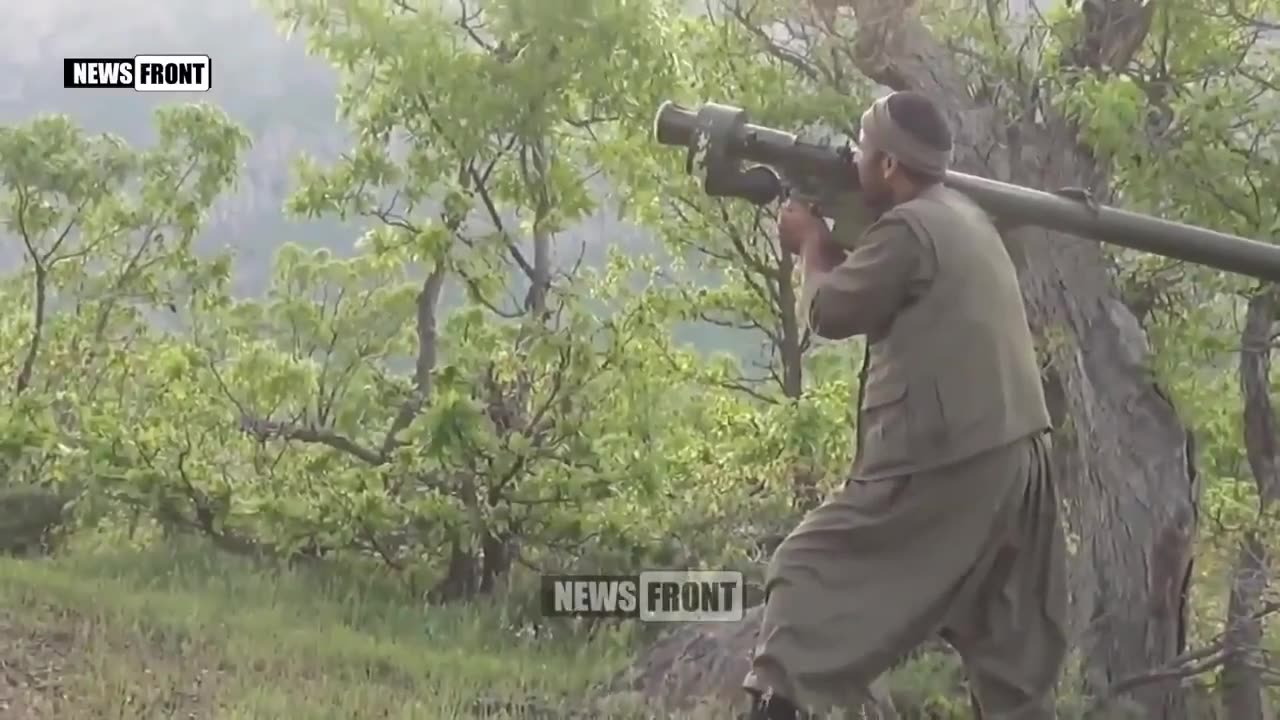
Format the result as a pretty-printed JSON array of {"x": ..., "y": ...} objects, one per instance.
[{"x": 905, "y": 147}]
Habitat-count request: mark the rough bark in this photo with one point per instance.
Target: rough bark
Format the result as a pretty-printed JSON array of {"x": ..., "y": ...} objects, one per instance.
[
  {"x": 1123, "y": 455},
  {"x": 1242, "y": 684},
  {"x": 1242, "y": 688}
]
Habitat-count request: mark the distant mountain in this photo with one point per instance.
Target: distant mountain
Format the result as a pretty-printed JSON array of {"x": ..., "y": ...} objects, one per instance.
[{"x": 268, "y": 84}]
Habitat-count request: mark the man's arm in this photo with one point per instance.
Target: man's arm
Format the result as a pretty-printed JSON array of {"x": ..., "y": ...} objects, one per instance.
[{"x": 888, "y": 268}]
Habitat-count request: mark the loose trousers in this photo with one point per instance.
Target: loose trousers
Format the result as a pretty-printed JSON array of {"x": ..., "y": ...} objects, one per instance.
[{"x": 974, "y": 552}]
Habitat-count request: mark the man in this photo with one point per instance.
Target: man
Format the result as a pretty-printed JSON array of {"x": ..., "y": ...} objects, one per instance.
[{"x": 949, "y": 522}]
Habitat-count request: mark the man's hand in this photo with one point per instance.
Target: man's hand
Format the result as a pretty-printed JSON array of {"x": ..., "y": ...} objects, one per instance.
[
  {"x": 802, "y": 232},
  {"x": 799, "y": 226}
]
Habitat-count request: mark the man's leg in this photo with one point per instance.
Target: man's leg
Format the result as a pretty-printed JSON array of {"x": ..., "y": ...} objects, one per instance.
[
  {"x": 1010, "y": 627},
  {"x": 868, "y": 576}
]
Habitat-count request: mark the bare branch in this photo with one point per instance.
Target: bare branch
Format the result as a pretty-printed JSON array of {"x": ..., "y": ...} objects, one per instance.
[
  {"x": 267, "y": 429},
  {"x": 1186, "y": 665},
  {"x": 428, "y": 299}
]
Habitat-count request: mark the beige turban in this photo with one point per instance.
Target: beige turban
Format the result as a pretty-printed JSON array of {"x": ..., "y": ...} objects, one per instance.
[{"x": 886, "y": 135}]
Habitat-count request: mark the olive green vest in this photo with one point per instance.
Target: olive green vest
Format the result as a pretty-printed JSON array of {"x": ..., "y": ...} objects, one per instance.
[{"x": 956, "y": 373}]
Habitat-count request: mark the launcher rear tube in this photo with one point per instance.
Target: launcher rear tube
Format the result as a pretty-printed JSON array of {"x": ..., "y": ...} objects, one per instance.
[{"x": 1023, "y": 206}]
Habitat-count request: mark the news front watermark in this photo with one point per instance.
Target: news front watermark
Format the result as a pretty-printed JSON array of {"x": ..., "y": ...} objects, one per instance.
[
  {"x": 651, "y": 596},
  {"x": 143, "y": 73}
]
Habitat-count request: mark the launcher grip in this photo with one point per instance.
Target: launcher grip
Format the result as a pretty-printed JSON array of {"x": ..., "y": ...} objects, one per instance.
[{"x": 822, "y": 204}]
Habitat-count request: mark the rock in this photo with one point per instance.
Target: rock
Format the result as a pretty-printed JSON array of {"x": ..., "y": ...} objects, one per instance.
[
  {"x": 700, "y": 666},
  {"x": 29, "y": 516}
]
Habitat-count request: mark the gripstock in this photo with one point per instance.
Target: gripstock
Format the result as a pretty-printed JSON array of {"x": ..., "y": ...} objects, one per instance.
[{"x": 720, "y": 140}]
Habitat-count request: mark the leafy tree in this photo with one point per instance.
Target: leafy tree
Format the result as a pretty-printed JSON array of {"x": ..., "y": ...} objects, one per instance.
[
  {"x": 531, "y": 407},
  {"x": 553, "y": 420},
  {"x": 1209, "y": 107},
  {"x": 106, "y": 234}
]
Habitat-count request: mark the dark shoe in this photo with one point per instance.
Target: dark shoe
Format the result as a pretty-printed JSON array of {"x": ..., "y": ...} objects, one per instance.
[{"x": 775, "y": 708}]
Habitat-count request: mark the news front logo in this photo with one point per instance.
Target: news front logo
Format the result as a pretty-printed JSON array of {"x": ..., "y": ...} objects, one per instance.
[
  {"x": 651, "y": 596},
  {"x": 143, "y": 73}
]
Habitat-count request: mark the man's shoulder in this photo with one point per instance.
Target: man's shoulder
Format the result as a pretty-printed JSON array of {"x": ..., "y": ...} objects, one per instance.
[
  {"x": 937, "y": 197},
  {"x": 944, "y": 204},
  {"x": 900, "y": 227},
  {"x": 949, "y": 214},
  {"x": 898, "y": 218}
]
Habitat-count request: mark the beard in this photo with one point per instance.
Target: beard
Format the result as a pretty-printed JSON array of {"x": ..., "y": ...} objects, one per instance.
[{"x": 877, "y": 199}]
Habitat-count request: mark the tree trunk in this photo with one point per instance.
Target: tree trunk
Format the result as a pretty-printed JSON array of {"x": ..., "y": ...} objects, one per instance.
[
  {"x": 460, "y": 579},
  {"x": 496, "y": 561},
  {"x": 1127, "y": 475},
  {"x": 1242, "y": 687},
  {"x": 1122, "y": 456}
]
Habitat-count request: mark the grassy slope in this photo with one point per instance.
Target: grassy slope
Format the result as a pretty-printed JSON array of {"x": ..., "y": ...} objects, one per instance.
[
  {"x": 186, "y": 632},
  {"x": 150, "y": 634}
]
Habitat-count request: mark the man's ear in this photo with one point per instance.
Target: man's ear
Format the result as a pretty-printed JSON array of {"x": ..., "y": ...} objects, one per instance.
[{"x": 888, "y": 165}]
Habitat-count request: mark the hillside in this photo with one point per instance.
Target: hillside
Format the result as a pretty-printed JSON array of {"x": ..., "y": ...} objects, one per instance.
[
  {"x": 335, "y": 501},
  {"x": 181, "y": 633}
]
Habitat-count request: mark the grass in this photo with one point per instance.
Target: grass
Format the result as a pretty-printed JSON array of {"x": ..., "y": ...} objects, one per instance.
[
  {"x": 105, "y": 630},
  {"x": 184, "y": 632}
]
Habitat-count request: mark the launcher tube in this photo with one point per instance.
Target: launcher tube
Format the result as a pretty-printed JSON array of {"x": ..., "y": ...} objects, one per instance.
[{"x": 1011, "y": 204}]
